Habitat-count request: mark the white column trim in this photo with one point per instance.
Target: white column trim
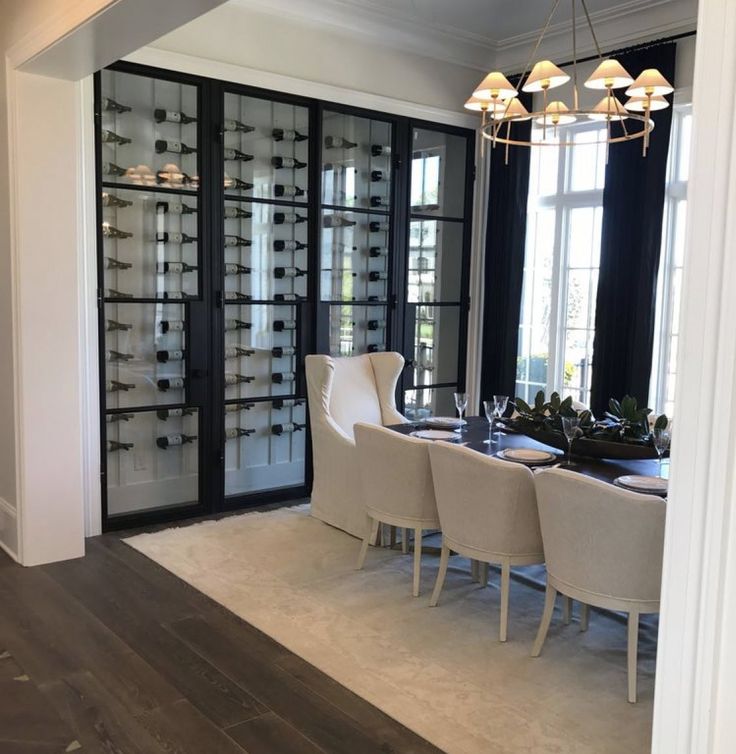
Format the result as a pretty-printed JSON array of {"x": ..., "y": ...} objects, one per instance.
[{"x": 696, "y": 664}]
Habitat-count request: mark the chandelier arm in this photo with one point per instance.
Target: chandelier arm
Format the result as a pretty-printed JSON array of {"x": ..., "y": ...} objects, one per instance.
[{"x": 592, "y": 30}]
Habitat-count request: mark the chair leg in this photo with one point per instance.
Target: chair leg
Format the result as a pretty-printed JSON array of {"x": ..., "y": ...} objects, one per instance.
[
  {"x": 393, "y": 537},
  {"x": 633, "y": 652},
  {"x": 584, "y": 616},
  {"x": 483, "y": 574},
  {"x": 441, "y": 574},
  {"x": 417, "y": 560},
  {"x": 474, "y": 570},
  {"x": 405, "y": 541},
  {"x": 566, "y": 610},
  {"x": 549, "y": 606},
  {"x": 505, "y": 583},
  {"x": 370, "y": 536}
]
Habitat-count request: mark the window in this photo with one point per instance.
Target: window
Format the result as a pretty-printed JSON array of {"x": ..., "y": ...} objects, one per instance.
[
  {"x": 669, "y": 284},
  {"x": 564, "y": 216}
]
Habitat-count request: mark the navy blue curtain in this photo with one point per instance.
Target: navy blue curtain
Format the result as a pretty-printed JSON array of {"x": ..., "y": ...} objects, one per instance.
[
  {"x": 504, "y": 262},
  {"x": 631, "y": 236}
]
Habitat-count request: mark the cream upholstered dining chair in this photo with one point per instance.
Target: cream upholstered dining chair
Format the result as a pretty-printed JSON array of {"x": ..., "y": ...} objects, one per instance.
[
  {"x": 341, "y": 392},
  {"x": 603, "y": 546},
  {"x": 488, "y": 512},
  {"x": 397, "y": 487}
]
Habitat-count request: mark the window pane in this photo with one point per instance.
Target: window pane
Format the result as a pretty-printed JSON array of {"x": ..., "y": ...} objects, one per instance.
[
  {"x": 438, "y": 173},
  {"x": 588, "y": 168},
  {"x": 683, "y": 162}
]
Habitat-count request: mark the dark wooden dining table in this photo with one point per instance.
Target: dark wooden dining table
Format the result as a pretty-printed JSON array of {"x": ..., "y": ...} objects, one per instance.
[{"x": 475, "y": 434}]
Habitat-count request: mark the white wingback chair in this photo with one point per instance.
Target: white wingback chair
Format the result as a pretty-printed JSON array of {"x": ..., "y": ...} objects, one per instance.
[
  {"x": 397, "y": 487},
  {"x": 603, "y": 546},
  {"x": 488, "y": 512},
  {"x": 341, "y": 392}
]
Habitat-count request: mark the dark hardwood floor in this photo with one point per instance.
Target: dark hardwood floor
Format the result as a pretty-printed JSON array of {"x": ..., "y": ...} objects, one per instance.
[{"x": 111, "y": 653}]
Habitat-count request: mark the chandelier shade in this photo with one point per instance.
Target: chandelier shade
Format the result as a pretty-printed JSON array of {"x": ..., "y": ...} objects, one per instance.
[
  {"x": 650, "y": 83},
  {"x": 558, "y": 114},
  {"x": 495, "y": 86},
  {"x": 511, "y": 110},
  {"x": 641, "y": 104},
  {"x": 545, "y": 75},
  {"x": 610, "y": 74},
  {"x": 609, "y": 108}
]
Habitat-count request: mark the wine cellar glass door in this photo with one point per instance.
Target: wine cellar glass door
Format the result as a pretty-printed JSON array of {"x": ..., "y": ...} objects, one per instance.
[
  {"x": 437, "y": 269},
  {"x": 153, "y": 296}
]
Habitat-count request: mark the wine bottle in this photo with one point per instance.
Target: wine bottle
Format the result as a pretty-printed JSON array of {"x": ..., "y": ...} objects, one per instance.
[
  {"x": 237, "y": 212},
  {"x": 285, "y": 134},
  {"x": 376, "y": 347},
  {"x": 172, "y": 116},
  {"x": 237, "y": 296},
  {"x": 280, "y": 189},
  {"x": 378, "y": 201},
  {"x": 229, "y": 124},
  {"x": 116, "y": 418},
  {"x": 376, "y": 299},
  {"x": 236, "y": 379},
  {"x": 179, "y": 238},
  {"x": 237, "y": 352},
  {"x": 164, "y": 268},
  {"x": 237, "y": 241},
  {"x": 113, "y": 445},
  {"x": 288, "y": 245},
  {"x": 279, "y": 218},
  {"x": 337, "y": 221},
  {"x": 110, "y": 168},
  {"x": 114, "y": 386},
  {"x": 377, "y": 227},
  {"x": 165, "y": 356},
  {"x": 174, "y": 208},
  {"x": 173, "y": 413},
  {"x": 175, "y": 147},
  {"x": 281, "y": 377},
  {"x": 112, "y": 293},
  {"x": 236, "y": 324},
  {"x": 280, "y": 403},
  {"x": 378, "y": 251},
  {"x": 110, "y": 137},
  {"x": 279, "y": 325},
  {"x": 288, "y": 272},
  {"x": 236, "y": 408},
  {"x": 230, "y": 153},
  {"x": 377, "y": 175},
  {"x": 278, "y": 352},
  {"x": 110, "y": 200},
  {"x": 114, "y": 107},
  {"x": 237, "y": 269},
  {"x": 338, "y": 142},
  {"x": 110, "y": 231},
  {"x": 375, "y": 275},
  {"x": 232, "y": 433},
  {"x": 178, "y": 295},
  {"x": 287, "y": 162},
  {"x": 379, "y": 149},
  {"x": 171, "y": 325},
  {"x": 172, "y": 441},
  {"x": 170, "y": 383},
  {"x": 286, "y": 428},
  {"x": 176, "y": 177},
  {"x": 115, "y": 264},
  {"x": 237, "y": 184},
  {"x": 288, "y": 297},
  {"x": 114, "y": 356},
  {"x": 113, "y": 325},
  {"x": 376, "y": 324}
]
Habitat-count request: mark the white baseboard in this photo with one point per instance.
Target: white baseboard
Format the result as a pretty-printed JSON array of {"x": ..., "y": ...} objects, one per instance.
[{"x": 9, "y": 529}]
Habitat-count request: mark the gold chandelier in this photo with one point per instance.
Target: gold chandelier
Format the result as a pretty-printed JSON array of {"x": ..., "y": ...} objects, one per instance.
[{"x": 498, "y": 101}]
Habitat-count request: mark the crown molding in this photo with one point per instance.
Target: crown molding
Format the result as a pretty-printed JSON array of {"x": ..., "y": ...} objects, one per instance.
[{"x": 627, "y": 23}]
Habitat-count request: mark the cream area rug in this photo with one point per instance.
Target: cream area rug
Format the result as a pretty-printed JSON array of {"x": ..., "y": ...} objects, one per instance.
[{"x": 440, "y": 671}]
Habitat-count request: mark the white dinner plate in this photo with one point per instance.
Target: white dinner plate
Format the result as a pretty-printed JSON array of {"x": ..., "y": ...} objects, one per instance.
[
  {"x": 526, "y": 455},
  {"x": 650, "y": 484},
  {"x": 435, "y": 434},
  {"x": 444, "y": 421}
]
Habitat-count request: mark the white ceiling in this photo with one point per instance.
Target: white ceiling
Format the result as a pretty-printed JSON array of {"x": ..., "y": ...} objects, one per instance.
[{"x": 485, "y": 33}]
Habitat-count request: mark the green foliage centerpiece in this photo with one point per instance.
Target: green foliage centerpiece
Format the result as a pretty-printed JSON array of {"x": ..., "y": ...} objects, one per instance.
[{"x": 624, "y": 432}]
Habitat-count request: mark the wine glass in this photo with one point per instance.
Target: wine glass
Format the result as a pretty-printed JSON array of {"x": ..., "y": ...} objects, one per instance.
[
  {"x": 570, "y": 426},
  {"x": 661, "y": 438},
  {"x": 461, "y": 403},
  {"x": 490, "y": 408},
  {"x": 499, "y": 408}
]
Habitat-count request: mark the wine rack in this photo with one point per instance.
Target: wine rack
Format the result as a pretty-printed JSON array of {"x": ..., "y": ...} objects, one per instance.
[{"x": 240, "y": 230}]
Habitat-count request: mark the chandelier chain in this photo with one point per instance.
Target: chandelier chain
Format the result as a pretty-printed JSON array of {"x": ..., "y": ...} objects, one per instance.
[{"x": 592, "y": 30}]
